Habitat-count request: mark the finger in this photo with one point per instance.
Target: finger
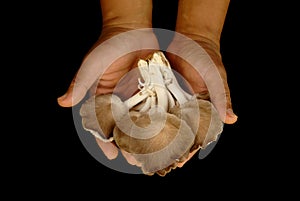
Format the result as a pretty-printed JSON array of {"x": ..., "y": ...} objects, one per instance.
[
  {"x": 100, "y": 58},
  {"x": 130, "y": 159},
  {"x": 109, "y": 149},
  {"x": 189, "y": 157}
]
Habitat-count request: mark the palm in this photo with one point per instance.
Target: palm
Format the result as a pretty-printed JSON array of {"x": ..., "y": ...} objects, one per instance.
[
  {"x": 189, "y": 72},
  {"x": 117, "y": 70},
  {"x": 110, "y": 58},
  {"x": 195, "y": 76}
]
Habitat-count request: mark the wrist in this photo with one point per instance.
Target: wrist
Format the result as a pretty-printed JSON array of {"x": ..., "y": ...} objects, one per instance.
[
  {"x": 120, "y": 13},
  {"x": 202, "y": 20},
  {"x": 109, "y": 31},
  {"x": 126, "y": 23},
  {"x": 201, "y": 36},
  {"x": 205, "y": 41}
]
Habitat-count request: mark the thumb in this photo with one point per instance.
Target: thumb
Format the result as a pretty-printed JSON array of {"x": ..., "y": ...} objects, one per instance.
[
  {"x": 70, "y": 98},
  {"x": 230, "y": 116},
  {"x": 215, "y": 79}
]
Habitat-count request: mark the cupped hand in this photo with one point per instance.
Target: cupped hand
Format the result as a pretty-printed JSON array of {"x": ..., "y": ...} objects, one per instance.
[
  {"x": 199, "y": 61},
  {"x": 113, "y": 55}
]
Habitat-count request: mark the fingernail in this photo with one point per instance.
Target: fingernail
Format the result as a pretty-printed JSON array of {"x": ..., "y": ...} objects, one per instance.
[
  {"x": 230, "y": 113},
  {"x": 230, "y": 117}
]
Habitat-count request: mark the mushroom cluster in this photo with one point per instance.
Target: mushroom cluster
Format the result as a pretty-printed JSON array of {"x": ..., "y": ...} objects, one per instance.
[{"x": 160, "y": 124}]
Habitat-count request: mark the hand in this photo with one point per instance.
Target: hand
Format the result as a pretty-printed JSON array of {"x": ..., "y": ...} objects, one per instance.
[
  {"x": 113, "y": 55},
  {"x": 199, "y": 61}
]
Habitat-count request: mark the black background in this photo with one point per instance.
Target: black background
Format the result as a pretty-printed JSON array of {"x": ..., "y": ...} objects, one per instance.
[{"x": 55, "y": 37}]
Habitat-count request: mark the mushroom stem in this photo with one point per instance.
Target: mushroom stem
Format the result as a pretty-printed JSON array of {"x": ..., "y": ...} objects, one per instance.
[
  {"x": 159, "y": 83},
  {"x": 174, "y": 87},
  {"x": 136, "y": 99},
  {"x": 146, "y": 105}
]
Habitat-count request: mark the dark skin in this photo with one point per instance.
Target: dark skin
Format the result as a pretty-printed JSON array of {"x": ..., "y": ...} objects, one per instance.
[{"x": 200, "y": 20}]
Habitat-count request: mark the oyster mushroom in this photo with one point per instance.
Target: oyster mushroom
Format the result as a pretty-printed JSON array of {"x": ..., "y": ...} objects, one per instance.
[{"x": 160, "y": 124}]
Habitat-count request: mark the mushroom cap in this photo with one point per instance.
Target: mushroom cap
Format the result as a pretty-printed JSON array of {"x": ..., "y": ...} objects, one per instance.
[
  {"x": 161, "y": 152},
  {"x": 210, "y": 124},
  {"x": 97, "y": 115},
  {"x": 203, "y": 119}
]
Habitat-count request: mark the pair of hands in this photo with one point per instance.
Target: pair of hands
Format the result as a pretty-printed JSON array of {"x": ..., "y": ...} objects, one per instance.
[{"x": 117, "y": 52}]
